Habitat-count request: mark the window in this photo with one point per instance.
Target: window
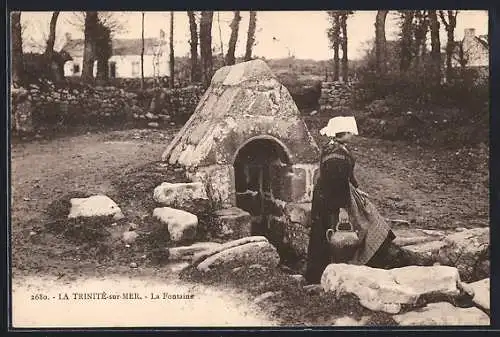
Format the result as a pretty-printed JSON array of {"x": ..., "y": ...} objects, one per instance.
[
  {"x": 135, "y": 68},
  {"x": 76, "y": 68}
]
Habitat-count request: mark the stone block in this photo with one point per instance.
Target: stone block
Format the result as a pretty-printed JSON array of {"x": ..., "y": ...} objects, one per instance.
[
  {"x": 299, "y": 213},
  {"x": 234, "y": 223}
]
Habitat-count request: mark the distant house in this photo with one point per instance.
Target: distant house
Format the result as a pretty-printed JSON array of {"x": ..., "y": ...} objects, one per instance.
[
  {"x": 125, "y": 61},
  {"x": 472, "y": 51}
]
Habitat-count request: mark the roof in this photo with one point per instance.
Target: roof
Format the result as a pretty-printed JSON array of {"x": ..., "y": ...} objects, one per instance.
[
  {"x": 120, "y": 46},
  {"x": 243, "y": 101}
]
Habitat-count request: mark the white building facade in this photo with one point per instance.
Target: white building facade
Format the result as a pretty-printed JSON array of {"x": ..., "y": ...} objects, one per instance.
[{"x": 125, "y": 61}]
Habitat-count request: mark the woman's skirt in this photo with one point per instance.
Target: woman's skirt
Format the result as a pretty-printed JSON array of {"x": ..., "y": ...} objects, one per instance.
[{"x": 376, "y": 232}]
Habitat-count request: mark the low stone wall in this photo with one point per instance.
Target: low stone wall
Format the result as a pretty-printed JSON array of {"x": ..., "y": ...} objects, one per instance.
[
  {"x": 335, "y": 96},
  {"x": 46, "y": 107}
]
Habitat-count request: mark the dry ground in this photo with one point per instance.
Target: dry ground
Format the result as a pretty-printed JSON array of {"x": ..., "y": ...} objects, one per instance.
[{"x": 431, "y": 188}]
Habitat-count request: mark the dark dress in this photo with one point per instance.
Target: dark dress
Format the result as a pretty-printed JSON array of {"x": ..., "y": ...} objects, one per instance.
[{"x": 331, "y": 193}]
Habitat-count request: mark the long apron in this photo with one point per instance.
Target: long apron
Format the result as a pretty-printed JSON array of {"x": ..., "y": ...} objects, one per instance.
[{"x": 331, "y": 193}]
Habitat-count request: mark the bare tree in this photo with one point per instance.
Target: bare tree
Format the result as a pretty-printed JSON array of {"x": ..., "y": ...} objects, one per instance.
[
  {"x": 380, "y": 42},
  {"x": 172, "y": 72},
  {"x": 435, "y": 47},
  {"x": 449, "y": 25},
  {"x": 235, "y": 25},
  {"x": 91, "y": 23},
  {"x": 115, "y": 21},
  {"x": 334, "y": 37},
  {"x": 343, "y": 25},
  {"x": 406, "y": 39},
  {"x": 206, "y": 45},
  {"x": 17, "y": 48},
  {"x": 193, "y": 42},
  {"x": 49, "y": 49},
  {"x": 420, "y": 29},
  {"x": 142, "y": 51},
  {"x": 220, "y": 37},
  {"x": 252, "y": 25}
]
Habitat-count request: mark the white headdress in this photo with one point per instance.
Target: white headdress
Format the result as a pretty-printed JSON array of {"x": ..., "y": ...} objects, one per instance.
[{"x": 340, "y": 124}]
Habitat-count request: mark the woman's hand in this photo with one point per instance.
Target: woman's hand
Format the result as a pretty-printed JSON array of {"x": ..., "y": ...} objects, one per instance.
[{"x": 343, "y": 216}]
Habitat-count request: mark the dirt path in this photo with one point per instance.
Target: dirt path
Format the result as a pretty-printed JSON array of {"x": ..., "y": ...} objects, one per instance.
[
  {"x": 44, "y": 170},
  {"x": 155, "y": 302}
]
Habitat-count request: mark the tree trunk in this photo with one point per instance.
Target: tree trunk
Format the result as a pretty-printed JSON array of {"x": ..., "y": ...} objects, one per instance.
[
  {"x": 406, "y": 40},
  {"x": 435, "y": 47},
  {"x": 345, "y": 62},
  {"x": 420, "y": 33},
  {"x": 17, "y": 48},
  {"x": 450, "y": 43},
  {"x": 102, "y": 70},
  {"x": 103, "y": 51},
  {"x": 380, "y": 42},
  {"x": 220, "y": 38},
  {"x": 336, "y": 38},
  {"x": 91, "y": 21},
  {"x": 252, "y": 24},
  {"x": 206, "y": 45},
  {"x": 172, "y": 59},
  {"x": 194, "y": 47},
  {"x": 235, "y": 25},
  {"x": 49, "y": 49},
  {"x": 142, "y": 52}
]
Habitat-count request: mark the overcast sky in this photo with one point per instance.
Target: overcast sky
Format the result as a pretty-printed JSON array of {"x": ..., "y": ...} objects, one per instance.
[{"x": 299, "y": 33}]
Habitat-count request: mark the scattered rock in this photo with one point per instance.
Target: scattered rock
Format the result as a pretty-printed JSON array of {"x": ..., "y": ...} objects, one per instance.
[
  {"x": 313, "y": 288},
  {"x": 129, "y": 237},
  {"x": 424, "y": 253},
  {"x": 443, "y": 313},
  {"x": 465, "y": 250},
  {"x": 153, "y": 124},
  {"x": 256, "y": 266},
  {"x": 187, "y": 252},
  {"x": 198, "y": 257},
  {"x": 233, "y": 222},
  {"x": 261, "y": 252},
  {"x": 133, "y": 265},
  {"x": 386, "y": 290},
  {"x": 299, "y": 278},
  {"x": 409, "y": 241},
  {"x": 187, "y": 196},
  {"x": 178, "y": 267},
  {"x": 349, "y": 321},
  {"x": 265, "y": 296},
  {"x": 481, "y": 293},
  {"x": 181, "y": 224},
  {"x": 94, "y": 206}
]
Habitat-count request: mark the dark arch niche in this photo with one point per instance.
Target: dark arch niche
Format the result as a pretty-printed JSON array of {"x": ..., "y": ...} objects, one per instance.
[{"x": 261, "y": 167}]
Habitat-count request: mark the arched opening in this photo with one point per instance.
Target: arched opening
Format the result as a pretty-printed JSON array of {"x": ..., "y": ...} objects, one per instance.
[{"x": 261, "y": 166}]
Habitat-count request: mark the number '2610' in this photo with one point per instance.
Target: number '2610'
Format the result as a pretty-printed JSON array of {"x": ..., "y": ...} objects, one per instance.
[{"x": 38, "y": 297}]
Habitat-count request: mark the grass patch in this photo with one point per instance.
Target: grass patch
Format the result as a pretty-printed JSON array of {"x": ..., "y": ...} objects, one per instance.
[{"x": 291, "y": 305}]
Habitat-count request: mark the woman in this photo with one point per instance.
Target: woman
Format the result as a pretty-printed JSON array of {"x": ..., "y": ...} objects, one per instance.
[{"x": 333, "y": 200}]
